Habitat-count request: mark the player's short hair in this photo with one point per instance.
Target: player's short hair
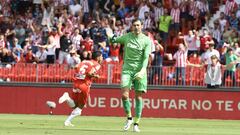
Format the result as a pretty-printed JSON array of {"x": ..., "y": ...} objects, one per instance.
[
  {"x": 96, "y": 54},
  {"x": 137, "y": 19},
  {"x": 229, "y": 50},
  {"x": 214, "y": 57}
]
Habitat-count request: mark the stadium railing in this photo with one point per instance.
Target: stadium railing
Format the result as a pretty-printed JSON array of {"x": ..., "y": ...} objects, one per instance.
[{"x": 110, "y": 74}]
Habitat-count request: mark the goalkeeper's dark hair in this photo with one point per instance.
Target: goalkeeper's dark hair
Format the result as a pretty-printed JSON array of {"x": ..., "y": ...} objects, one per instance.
[
  {"x": 137, "y": 19},
  {"x": 96, "y": 54}
]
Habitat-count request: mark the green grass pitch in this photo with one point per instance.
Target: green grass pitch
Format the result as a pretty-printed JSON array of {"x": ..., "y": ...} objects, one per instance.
[{"x": 12, "y": 124}]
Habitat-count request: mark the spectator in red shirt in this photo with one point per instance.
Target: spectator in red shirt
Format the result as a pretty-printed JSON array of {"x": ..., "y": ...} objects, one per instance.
[
  {"x": 206, "y": 37},
  {"x": 29, "y": 57},
  {"x": 129, "y": 3},
  {"x": 114, "y": 52},
  {"x": 87, "y": 44},
  {"x": 194, "y": 58}
]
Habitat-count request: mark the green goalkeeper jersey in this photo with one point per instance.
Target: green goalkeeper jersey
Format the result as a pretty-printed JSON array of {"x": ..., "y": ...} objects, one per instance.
[{"x": 136, "y": 50}]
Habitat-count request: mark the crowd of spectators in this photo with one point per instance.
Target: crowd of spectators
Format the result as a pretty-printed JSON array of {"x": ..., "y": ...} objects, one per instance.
[{"x": 68, "y": 31}]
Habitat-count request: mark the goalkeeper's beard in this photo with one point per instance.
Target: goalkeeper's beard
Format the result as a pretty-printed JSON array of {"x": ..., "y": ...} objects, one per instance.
[{"x": 137, "y": 32}]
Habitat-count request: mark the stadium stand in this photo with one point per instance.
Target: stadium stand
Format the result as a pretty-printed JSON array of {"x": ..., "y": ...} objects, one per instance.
[{"x": 34, "y": 36}]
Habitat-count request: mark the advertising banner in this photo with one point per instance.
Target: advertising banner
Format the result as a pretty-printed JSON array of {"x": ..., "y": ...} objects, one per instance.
[{"x": 107, "y": 102}]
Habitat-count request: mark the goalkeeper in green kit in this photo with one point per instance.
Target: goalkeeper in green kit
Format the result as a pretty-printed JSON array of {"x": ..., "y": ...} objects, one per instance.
[{"x": 137, "y": 47}]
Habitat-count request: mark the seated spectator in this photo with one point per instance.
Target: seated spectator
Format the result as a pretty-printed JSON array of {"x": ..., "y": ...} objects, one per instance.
[
  {"x": 41, "y": 55},
  {"x": 74, "y": 59},
  {"x": 30, "y": 56}
]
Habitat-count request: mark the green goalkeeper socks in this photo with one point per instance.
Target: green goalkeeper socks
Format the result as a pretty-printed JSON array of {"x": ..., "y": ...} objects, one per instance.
[
  {"x": 127, "y": 107},
  {"x": 138, "y": 110}
]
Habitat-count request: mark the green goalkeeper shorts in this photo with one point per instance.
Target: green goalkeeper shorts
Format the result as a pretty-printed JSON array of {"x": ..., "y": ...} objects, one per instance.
[{"x": 127, "y": 80}]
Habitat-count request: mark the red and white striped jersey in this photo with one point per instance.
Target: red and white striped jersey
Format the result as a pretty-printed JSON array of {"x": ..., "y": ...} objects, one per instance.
[
  {"x": 64, "y": 2},
  {"x": 183, "y": 6},
  {"x": 229, "y": 7},
  {"x": 152, "y": 1},
  {"x": 76, "y": 40},
  {"x": 203, "y": 7},
  {"x": 178, "y": 2},
  {"x": 175, "y": 13},
  {"x": 181, "y": 58},
  {"x": 192, "y": 8},
  {"x": 147, "y": 23},
  {"x": 2, "y": 44},
  {"x": 216, "y": 34},
  {"x": 84, "y": 4},
  {"x": 158, "y": 12}
]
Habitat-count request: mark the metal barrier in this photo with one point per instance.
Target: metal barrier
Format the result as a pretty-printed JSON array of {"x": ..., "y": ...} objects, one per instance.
[{"x": 110, "y": 74}]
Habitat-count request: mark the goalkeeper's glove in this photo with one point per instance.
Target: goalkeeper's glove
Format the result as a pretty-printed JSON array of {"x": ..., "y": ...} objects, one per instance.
[{"x": 139, "y": 75}]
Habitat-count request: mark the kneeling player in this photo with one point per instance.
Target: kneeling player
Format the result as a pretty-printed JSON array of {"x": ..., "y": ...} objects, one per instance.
[{"x": 84, "y": 73}]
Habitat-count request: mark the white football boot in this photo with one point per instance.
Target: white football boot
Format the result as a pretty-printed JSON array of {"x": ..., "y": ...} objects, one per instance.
[
  {"x": 68, "y": 124},
  {"x": 128, "y": 125},
  {"x": 136, "y": 128},
  {"x": 64, "y": 98}
]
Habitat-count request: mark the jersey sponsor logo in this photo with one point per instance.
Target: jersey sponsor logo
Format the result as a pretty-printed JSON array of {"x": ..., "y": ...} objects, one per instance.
[{"x": 134, "y": 46}]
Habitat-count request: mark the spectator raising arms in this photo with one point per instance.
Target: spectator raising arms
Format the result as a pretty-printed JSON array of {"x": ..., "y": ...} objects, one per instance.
[
  {"x": 181, "y": 62},
  {"x": 213, "y": 77}
]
